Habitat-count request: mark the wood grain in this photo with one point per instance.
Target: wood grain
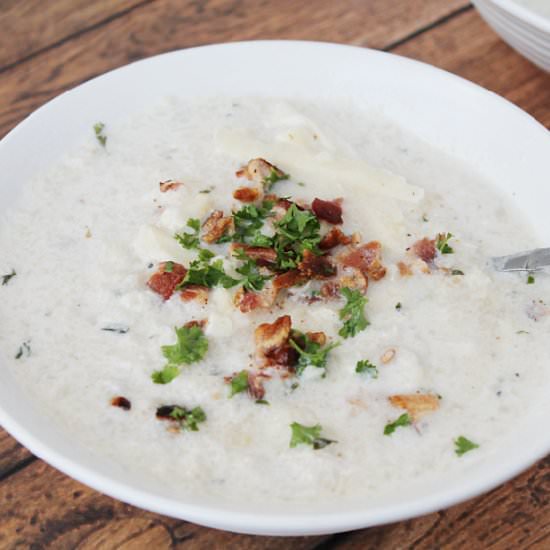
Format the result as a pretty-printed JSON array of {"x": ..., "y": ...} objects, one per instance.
[{"x": 33, "y": 25}]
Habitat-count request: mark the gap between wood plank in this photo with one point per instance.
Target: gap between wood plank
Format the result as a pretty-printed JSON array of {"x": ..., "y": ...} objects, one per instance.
[
  {"x": 426, "y": 28},
  {"x": 18, "y": 467},
  {"x": 76, "y": 34}
]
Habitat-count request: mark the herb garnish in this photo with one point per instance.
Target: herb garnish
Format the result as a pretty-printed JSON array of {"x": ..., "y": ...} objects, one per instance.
[
  {"x": 239, "y": 383},
  {"x": 353, "y": 313},
  {"x": 24, "y": 349},
  {"x": 168, "y": 267},
  {"x": 530, "y": 279},
  {"x": 261, "y": 402},
  {"x": 442, "y": 243},
  {"x": 188, "y": 419},
  {"x": 101, "y": 137},
  {"x": 308, "y": 435},
  {"x": 398, "y": 306},
  {"x": 463, "y": 445},
  {"x": 457, "y": 272},
  {"x": 190, "y": 347},
  {"x": 202, "y": 272},
  {"x": 248, "y": 221},
  {"x": 253, "y": 279},
  {"x": 311, "y": 353},
  {"x": 367, "y": 367},
  {"x": 403, "y": 420},
  {"x": 190, "y": 240},
  {"x": 274, "y": 176},
  {"x": 7, "y": 278}
]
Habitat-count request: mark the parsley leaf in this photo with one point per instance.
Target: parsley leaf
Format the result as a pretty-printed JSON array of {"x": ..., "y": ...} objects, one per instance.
[
  {"x": 398, "y": 306},
  {"x": 530, "y": 279},
  {"x": 274, "y": 176},
  {"x": 366, "y": 366},
  {"x": 457, "y": 272},
  {"x": 248, "y": 221},
  {"x": 239, "y": 383},
  {"x": 253, "y": 279},
  {"x": 403, "y": 420},
  {"x": 190, "y": 347},
  {"x": 101, "y": 137},
  {"x": 442, "y": 243},
  {"x": 7, "y": 278},
  {"x": 308, "y": 435},
  {"x": 463, "y": 445},
  {"x": 188, "y": 419},
  {"x": 297, "y": 231},
  {"x": 311, "y": 353},
  {"x": 190, "y": 240},
  {"x": 353, "y": 313},
  {"x": 202, "y": 272}
]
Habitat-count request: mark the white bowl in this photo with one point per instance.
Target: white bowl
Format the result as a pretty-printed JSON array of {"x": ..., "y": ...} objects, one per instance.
[
  {"x": 522, "y": 28},
  {"x": 500, "y": 140}
]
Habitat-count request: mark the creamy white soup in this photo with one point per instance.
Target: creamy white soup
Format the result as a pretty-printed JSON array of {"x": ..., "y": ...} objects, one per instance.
[{"x": 272, "y": 301}]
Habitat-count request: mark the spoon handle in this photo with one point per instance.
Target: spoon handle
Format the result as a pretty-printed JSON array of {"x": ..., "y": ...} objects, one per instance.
[{"x": 531, "y": 260}]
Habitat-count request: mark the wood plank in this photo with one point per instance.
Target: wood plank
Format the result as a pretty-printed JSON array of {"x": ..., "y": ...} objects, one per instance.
[
  {"x": 42, "y": 508},
  {"x": 11, "y": 453},
  {"x": 170, "y": 24},
  {"x": 32, "y": 25},
  {"x": 514, "y": 515},
  {"x": 466, "y": 46}
]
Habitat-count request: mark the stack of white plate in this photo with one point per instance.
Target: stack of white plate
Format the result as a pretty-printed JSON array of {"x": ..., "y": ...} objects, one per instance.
[{"x": 524, "y": 24}]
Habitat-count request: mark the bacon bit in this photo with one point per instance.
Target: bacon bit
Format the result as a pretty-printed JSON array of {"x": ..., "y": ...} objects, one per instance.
[
  {"x": 196, "y": 323},
  {"x": 330, "y": 211},
  {"x": 248, "y": 301},
  {"x": 354, "y": 279},
  {"x": 317, "y": 337},
  {"x": 330, "y": 290},
  {"x": 334, "y": 238},
  {"x": 163, "y": 282},
  {"x": 316, "y": 267},
  {"x": 164, "y": 412},
  {"x": 367, "y": 258},
  {"x": 416, "y": 404},
  {"x": 194, "y": 292},
  {"x": 356, "y": 238},
  {"x": 256, "y": 388},
  {"x": 263, "y": 256},
  {"x": 425, "y": 249},
  {"x": 121, "y": 402},
  {"x": 404, "y": 269},
  {"x": 272, "y": 346},
  {"x": 169, "y": 185},
  {"x": 387, "y": 356},
  {"x": 215, "y": 226},
  {"x": 288, "y": 279},
  {"x": 258, "y": 169},
  {"x": 246, "y": 194}
]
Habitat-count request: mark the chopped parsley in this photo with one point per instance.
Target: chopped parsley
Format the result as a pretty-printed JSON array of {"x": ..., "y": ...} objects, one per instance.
[
  {"x": 24, "y": 350},
  {"x": 239, "y": 383},
  {"x": 425, "y": 218},
  {"x": 442, "y": 243},
  {"x": 248, "y": 222},
  {"x": 190, "y": 347},
  {"x": 403, "y": 420},
  {"x": 261, "y": 402},
  {"x": 297, "y": 231},
  {"x": 188, "y": 419},
  {"x": 204, "y": 273},
  {"x": 353, "y": 313},
  {"x": 457, "y": 272},
  {"x": 365, "y": 366},
  {"x": 530, "y": 279},
  {"x": 308, "y": 435},
  {"x": 190, "y": 240},
  {"x": 269, "y": 181},
  {"x": 8, "y": 277},
  {"x": 311, "y": 353},
  {"x": 398, "y": 306},
  {"x": 463, "y": 445},
  {"x": 100, "y": 136},
  {"x": 252, "y": 278}
]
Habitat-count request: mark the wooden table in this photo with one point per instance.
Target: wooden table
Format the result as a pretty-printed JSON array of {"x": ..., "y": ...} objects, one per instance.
[{"x": 48, "y": 46}]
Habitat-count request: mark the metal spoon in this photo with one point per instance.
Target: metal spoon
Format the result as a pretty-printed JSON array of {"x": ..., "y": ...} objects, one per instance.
[{"x": 531, "y": 260}]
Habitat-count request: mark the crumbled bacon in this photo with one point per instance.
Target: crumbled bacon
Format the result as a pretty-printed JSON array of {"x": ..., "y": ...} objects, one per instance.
[
  {"x": 404, "y": 269},
  {"x": 165, "y": 282},
  {"x": 248, "y": 301},
  {"x": 215, "y": 226},
  {"x": 425, "y": 249},
  {"x": 334, "y": 238},
  {"x": 196, "y": 323},
  {"x": 194, "y": 292},
  {"x": 330, "y": 211},
  {"x": 169, "y": 185},
  {"x": 353, "y": 278},
  {"x": 164, "y": 412},
  {"x": 263, "y": 256},
  {"x": 316, "y": 267},
  {"x": 258, "y": 169},
  {"x": 416, "y": 404},
  {"x": 121, "y": 402},
  {"x": 317, "y": 337},
  {"x": 330, "y": 290},
  {"x": 272, "y": 343},
  {"x": 288, "y": 279},
  {"x": 255, "y": 385},
  {"x": 367, "y": 258},
  {"x": 246, "y": 194}
]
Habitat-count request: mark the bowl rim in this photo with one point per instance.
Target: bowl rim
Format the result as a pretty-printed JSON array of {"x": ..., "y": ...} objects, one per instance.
[
  {"x": 276, "y": 524},
  {"x": 523, "y": 13}
]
